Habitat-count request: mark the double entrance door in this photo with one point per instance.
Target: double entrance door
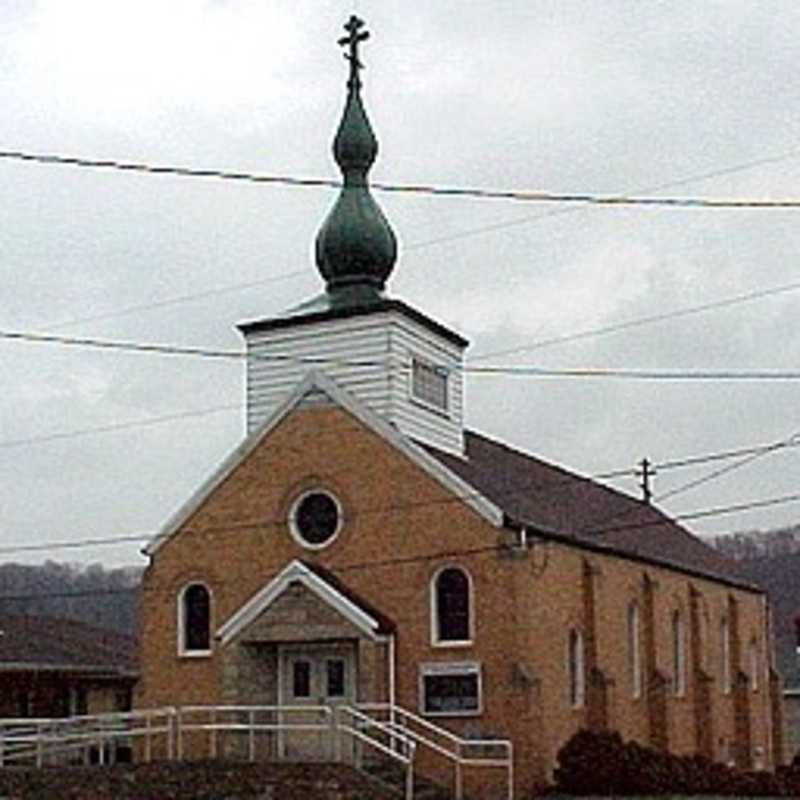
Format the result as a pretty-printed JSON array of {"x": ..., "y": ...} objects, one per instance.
[{"x": 312, "y": 676}]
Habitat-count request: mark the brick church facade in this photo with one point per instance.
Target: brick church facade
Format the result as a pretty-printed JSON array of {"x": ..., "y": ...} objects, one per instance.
[{"x": 362, "y": 546}]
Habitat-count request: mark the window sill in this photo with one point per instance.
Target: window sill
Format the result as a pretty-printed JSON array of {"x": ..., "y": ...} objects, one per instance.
[
  {"x": 455, "y": 643},
  {"x": 432, "y": 407},
  {"x": 195, "y": 654},
  {"x": 441, "y": 714}
]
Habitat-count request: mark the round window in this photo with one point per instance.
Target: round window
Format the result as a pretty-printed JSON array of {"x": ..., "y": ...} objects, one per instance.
[{"x": 316, "y": 518}]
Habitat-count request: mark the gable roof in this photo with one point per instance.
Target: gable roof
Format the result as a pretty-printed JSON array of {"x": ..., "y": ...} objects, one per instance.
[
  {"x": 322, "y": 583},
  {"x": 49, "y": 643},
  {"x": 317, "y": 382},
  {"x": 554, "y": 502}
]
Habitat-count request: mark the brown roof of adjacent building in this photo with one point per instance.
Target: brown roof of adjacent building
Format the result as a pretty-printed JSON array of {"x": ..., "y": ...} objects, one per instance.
[
  {"x": 30, "y": 642},
  {"x": 551, "y": 501}
]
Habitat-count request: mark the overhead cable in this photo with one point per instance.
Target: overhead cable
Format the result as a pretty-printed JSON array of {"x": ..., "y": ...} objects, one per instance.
[
  {"x": 579, "y": 198},
  {"x": 605, "y": 526},
  {"x": 641, "y": 321},
  {"x": 510, "y": 370}
]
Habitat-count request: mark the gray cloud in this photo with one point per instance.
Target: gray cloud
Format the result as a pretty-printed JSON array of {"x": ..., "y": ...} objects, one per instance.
[{"x": 567, "y": 96}]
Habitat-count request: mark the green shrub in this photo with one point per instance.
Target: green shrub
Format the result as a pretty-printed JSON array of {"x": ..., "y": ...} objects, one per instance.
[{"x": 602, "y": 763}]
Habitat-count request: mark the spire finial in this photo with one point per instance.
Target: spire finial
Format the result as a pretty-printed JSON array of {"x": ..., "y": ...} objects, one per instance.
[
  {"x": 353, "y": 39},
  {"x": 355, "y": 248}
]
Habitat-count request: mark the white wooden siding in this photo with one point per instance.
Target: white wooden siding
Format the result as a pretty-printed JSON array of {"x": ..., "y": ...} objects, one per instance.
[
  {"x": 369, "y": 357},
  {"x": 442, "y": 430}
]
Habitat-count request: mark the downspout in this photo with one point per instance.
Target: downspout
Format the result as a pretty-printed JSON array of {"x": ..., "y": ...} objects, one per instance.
[
  {"x": 392, "y": 674},
  {"x": 392, "y": 688},
  {"x": 767, "y": 682}
]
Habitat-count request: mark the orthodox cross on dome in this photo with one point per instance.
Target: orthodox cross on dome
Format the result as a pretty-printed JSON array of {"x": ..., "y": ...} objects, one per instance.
[
  {"x": 355, "y": 249},
  {"x": 352, "y": 40}
]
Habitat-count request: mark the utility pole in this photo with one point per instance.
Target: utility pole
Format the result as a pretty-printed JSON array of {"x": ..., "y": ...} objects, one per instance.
[{"x": 646, "y": 474}]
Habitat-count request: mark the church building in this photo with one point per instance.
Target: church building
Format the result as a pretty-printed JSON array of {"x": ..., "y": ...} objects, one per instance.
[{"x": 363, "y": 546}]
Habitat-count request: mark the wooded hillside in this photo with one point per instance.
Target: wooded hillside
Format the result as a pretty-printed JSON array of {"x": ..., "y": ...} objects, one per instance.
[{"x": 92, "y": 594}]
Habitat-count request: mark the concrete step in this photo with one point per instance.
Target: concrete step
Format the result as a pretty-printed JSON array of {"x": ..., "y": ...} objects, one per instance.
[{"x": 391, "y": 775}]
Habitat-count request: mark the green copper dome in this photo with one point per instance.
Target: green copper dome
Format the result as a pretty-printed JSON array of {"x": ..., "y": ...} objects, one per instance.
[{"x": 355, "y": 248}]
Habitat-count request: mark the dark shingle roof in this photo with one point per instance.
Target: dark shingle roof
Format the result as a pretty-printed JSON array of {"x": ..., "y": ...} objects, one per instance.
[
  {"x": 560, "y": 503},
  {"x": 50, "y": 643}
]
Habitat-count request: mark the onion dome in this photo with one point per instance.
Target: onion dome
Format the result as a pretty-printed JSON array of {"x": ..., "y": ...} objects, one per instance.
[{"x": 355, "y": 248}]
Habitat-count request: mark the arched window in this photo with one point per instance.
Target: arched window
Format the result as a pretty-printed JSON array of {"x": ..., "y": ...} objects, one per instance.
[
  {"x": 451, "y": 606},
  {"x": 678, "y": 655},
  {"x": 725, "y": 655},
  {"x": 195, "y": 619},
  {"x": 575, "y": 665},
  {"x": 634, "y": 650},
  {"x": 755, "y": 663}
]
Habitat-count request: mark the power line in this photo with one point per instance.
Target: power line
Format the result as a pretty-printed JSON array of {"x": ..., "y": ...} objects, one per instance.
[
  {"x": 725, "y": 454},
  {"x": 235, "y": 526},
  {"x": 174, "y": 350},
  {"x": 421, "y": 558},
  {"x": 689, "y": 179},
  {"x": 518, "y": 371},
  {"x": 579, "y": 198},
  {"x": 562, "y": 339},
  {"x": 791, "y": 441},
  {"x": 76, "y": 544},
  {"x": 452, "y": 237},
  {"x": 119, "y": 426},
  {"x": 676, "y": 463},
  {"x": 187, "y": 298},
  {"x": 641, "y": 321},
  {"x": 708, "y": 512},
  {"x": 106, "y": 344},
  {"x": 161, "y": 169},
  {"x": 639, "y": 374},
  {"x": 750, "y": 457}
]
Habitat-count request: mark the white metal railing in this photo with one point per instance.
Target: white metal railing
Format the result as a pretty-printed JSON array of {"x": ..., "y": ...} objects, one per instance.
[
  {"x": 486, "y": 753},
  {"x": 392, "y": 731},
  {"x": 252, "y": 721},
  {"x": 379, "y": 736},
  {"x": 51, "y": 741}
]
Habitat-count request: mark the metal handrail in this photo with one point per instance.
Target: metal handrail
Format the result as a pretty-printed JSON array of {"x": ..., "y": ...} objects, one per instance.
[
  {"x": 41, "y": 739},
  {"x": 390, "y": 730},
  {"x": 454, "y": 755},
  {"x": 438, "y": 730},
  {"x": 38, "y": 739},
  {"x": 409, "y": 745},
  {"x": 215, "y": 724}
]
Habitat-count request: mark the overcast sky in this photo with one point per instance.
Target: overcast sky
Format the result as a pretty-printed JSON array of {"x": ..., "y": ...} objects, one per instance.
[{"x": 674, "y": 98}]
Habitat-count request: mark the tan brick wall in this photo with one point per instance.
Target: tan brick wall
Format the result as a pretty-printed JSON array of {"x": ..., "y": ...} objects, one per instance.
[{"x": 401, "y": 527}]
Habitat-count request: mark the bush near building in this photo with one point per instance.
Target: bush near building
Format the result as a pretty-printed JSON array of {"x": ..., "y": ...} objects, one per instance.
[{"x": 601, "y": 763}]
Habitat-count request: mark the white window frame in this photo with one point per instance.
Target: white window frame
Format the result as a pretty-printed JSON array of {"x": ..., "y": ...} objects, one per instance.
[
  {"x": 295, "y": 531},
  {"x": 440, "y": 370},
  {"x": 436, "y": 639},
  {"x": 437, "y": 668},
  {"x": 678, "y": 630},
  {"x": 183, "y": 652},
  {"x": 576, "y": 669},
  {"x": 635, "y": 650}
]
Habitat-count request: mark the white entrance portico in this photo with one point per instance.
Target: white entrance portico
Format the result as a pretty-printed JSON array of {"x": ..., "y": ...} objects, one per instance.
[{"x": 306, "y": 644}]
